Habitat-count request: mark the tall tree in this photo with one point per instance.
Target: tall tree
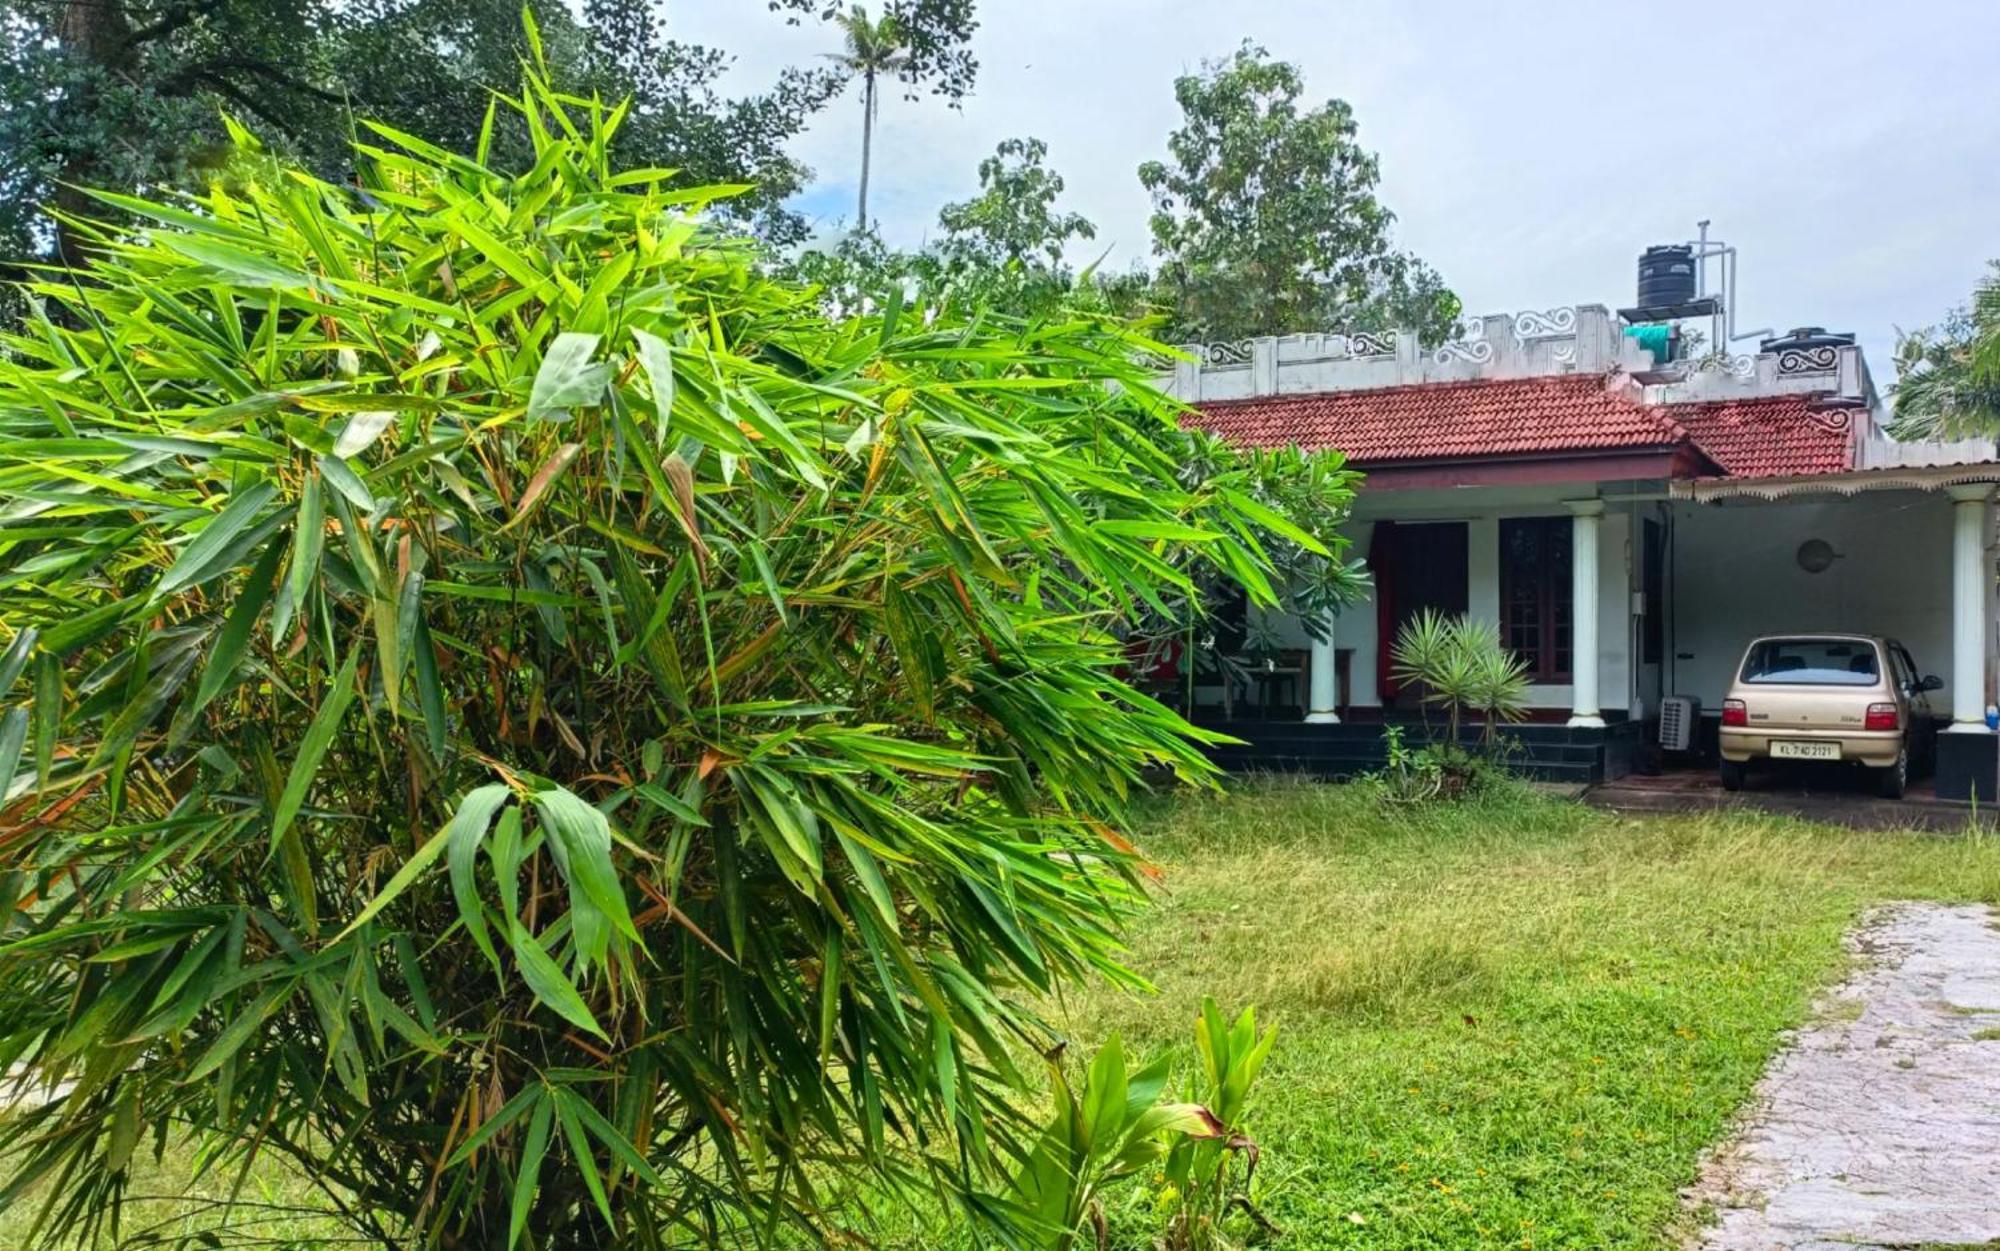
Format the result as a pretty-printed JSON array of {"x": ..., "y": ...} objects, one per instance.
[
  {"x": 1013, "y": 219},
  {"x": 126, "y": 94},
  {"x": 874, "y": 50},
  {"x": 1948, "y": 375},
  {"x": 1002, "y": 250},
  {"x": 936, "y": 34},
  {"x": 1266, "y": 219}
]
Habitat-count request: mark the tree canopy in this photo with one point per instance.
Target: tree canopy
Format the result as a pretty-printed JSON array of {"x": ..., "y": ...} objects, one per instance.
[
  {"x": 1004, "y": 249},
  {"x": 1948, "y": 375},
  {"x": 1013, "y": 219},
  {"x": 510, "y": 704},
  {"x": 1265, "y": 216},
  {"x": 934, "y": 36},
  {"x": 127, "y": 94}
]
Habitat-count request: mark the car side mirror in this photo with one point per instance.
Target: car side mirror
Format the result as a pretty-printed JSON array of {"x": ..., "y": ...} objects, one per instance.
[{"x": 1931, "y": 682}]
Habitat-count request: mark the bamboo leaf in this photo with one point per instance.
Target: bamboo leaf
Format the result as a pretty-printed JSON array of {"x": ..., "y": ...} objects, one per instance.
[
  {"x": 544, "y": 478},
  {"x": 318, "y": 737},
  {"x": 657, "y": 359},
  {"x": 550, "y": 984},
  {"x": 463, "y": 836},
  {"x": 198, "y": 560},
  {"x": 361, "y": 431},
  {"x": 13, "y": 736},
  {"x": 48, "y": 714},
  {"x": 580, "y": 839},
  {"x": 527, "y": 1179},
  {"x": 568, "y": 378},
  {"x": 583, "y": 1153},
  {"x": 341, "y": 477},
  {"x": 236, "y": 629},
  {"x": 16, "y": 657},
  {"x": 242, "y": 1027}
]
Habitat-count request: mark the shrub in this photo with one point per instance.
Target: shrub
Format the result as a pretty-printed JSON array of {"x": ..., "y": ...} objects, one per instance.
[
  {"x": 1116, "y": 1127},
  {"x": 1229, "y": 1058},
  {"x": 513, "y": 708},
  {"x": 1459, "y": 663}
]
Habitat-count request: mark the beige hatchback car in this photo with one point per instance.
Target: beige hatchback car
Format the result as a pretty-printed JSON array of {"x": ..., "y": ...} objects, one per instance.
[{"x": 1852, "y": 698}]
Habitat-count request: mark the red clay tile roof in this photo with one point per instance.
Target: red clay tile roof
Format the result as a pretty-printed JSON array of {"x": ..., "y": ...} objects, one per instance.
[
  {"x": 1771, "y": 436},
  {"x": 1445, "y": 420},
  {"x": 1764, "y": 436}
]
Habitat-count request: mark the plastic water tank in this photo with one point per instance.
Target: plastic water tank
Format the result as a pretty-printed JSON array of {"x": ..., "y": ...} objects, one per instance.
[{"x": 1666, "y": 275}]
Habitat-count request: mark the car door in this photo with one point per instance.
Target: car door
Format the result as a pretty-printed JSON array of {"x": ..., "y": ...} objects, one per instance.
[{"x": 1910, "y": 680}]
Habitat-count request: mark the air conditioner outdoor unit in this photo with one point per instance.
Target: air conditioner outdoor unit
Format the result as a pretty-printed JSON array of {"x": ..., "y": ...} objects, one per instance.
[{"x": 1678, "y": 715}]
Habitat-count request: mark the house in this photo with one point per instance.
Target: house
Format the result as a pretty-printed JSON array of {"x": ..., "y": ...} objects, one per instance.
[{"x": 1628, "y": 522}]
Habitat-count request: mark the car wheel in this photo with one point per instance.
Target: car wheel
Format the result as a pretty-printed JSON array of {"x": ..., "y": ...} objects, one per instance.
[
  {"x": 1732, "y": 775},
  {"x": 1896, "y": 777}
]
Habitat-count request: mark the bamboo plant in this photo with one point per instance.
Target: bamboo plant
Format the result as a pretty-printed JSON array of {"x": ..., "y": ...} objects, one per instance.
[{"x": 514, "y": 708}]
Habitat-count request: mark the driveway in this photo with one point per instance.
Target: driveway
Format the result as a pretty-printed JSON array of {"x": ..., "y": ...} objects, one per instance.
[{"x": 1878, "y": 1126}]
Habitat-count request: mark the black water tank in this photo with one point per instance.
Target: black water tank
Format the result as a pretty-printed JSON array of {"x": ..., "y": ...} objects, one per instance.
[
  {"x": 1666, "y": 275},
  {"x": 1806, "y": 337}
]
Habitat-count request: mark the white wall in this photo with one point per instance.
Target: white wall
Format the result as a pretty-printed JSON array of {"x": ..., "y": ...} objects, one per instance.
[{"x": 1734, "y": 574}]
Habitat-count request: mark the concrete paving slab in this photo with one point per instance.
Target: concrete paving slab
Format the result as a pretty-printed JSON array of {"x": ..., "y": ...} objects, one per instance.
[{"x": 1878, "y": 1125}]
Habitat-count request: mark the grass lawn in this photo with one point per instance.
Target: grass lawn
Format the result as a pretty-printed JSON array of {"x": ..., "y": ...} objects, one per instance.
[
  {"x": 1510, "y": 1023},
  {"x": 1513, "y": 1022}
]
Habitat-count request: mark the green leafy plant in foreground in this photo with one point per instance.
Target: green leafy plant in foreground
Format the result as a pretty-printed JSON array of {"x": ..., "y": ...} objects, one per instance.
[
  {"x": 1117, "y": 1128},
  {"x": 513, "y": 708},
  {"x": 1110, "y": 1131},
  {"x": 1229, "y": 1058}
]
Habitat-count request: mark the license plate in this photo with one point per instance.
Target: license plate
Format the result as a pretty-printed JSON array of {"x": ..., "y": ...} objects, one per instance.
[{"x": 1806, "y": 751}]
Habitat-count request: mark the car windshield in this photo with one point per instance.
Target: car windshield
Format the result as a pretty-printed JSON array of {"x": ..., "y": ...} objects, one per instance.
[{"x": 1812, "y": 662}]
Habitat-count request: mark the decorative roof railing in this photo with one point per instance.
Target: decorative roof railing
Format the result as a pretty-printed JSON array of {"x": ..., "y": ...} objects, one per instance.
[{"x": 1582, "y": 338}]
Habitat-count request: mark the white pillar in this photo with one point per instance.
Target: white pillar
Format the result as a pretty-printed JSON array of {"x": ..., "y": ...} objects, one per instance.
[
  {"x": 1322, "y": 699},
  {"x": 1585, "y": 518},
  {"x": 1971, "y": 587}
]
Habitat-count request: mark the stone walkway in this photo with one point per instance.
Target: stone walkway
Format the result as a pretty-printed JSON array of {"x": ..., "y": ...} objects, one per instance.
[{"x": 1879, "y": 1126}]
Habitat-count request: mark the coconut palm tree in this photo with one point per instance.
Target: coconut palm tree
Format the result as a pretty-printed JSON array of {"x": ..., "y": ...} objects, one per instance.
[{"x": 874, "y": 48}]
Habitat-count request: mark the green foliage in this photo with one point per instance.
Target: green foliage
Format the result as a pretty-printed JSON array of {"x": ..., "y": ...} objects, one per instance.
[
  {"x": 1300, "y": 502},
  {"x": 1511, "y": 1018},
  {"x": 1948, "y": 375},
  {"x": 1266, "y": 220},
  {"x": 1116, "y": 1128},
  {"x": 518, "y": 711},
  {"x": 1459, "y": 664},
  {"x": 125, "y": 94},
  {"x": 1198, "y": 1167},
  {"x": 1108, "y": 1132},
  {"x": 934, "y": 36},
  {"x": 1013, "y": 220},
  {"x": 1000, "y": 251},
  {"x": 1409, "y": 775}
]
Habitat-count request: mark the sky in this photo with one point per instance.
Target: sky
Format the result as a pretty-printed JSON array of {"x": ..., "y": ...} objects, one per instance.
[{"x": 1849, "y": 148}]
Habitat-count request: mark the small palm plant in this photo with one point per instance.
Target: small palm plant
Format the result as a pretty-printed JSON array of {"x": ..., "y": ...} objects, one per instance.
[{"x": 1460, "y": 664}]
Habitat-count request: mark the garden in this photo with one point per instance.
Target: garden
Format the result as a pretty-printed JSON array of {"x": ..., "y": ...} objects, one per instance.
[
  {"x": 527, "y": 726},
  {"x": 1511, "y": 1021}
]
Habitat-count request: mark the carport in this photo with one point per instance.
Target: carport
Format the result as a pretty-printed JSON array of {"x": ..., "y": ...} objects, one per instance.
[{"x": 1903, "y": 547}]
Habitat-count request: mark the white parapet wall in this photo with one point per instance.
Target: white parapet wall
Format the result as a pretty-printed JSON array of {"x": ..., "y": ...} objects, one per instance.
[{"x": 1583, "y": 339}]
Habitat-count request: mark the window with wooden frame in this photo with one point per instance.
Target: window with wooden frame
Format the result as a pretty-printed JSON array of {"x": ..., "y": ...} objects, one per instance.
[{"x": 1535, "y": 599}]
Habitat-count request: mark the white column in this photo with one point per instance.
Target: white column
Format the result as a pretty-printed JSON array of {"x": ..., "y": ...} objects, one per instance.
[
  {"x": 1971, "y": 587},
  {"x": 1321, "y": 699},
  {"x": 1585, "y": 518}
]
